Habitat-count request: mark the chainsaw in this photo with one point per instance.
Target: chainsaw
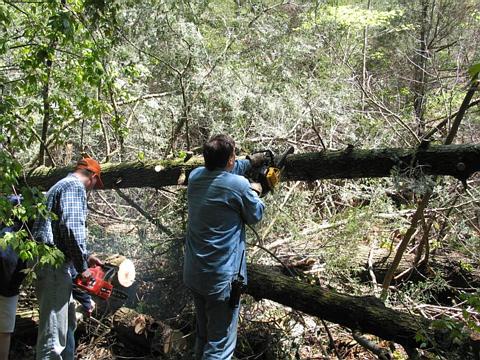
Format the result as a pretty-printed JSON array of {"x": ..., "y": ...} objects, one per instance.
[
  {"x": 100, "y": 284},
  {"x": 268, "y": 174}
]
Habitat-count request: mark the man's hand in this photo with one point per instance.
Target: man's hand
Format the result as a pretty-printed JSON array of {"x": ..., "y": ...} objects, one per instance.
[
  {"x": 93, "y": 260},
  {"x": 86, "y": 276},
  {"x": 257, "y": 159},
  {"x": 256, "y": 187}
]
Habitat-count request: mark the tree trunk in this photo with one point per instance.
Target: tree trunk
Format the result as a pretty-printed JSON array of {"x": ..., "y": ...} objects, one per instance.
[
  {"x": 419, "y": 84},
  {"x": 364, "y": 313},
  {"x": 138, "y": 331},
  {"x": 146, "y": 333},
  {"x": 455, "y": 160}
]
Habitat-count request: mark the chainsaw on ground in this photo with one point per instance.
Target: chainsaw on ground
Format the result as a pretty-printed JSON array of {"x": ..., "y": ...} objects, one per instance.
[
  {"x": 268, "y": 174},
  {"x": 101, "y": 283}
]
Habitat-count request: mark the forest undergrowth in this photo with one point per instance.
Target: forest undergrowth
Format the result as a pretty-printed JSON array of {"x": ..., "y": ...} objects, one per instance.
[{"x": 131, "y": 81}]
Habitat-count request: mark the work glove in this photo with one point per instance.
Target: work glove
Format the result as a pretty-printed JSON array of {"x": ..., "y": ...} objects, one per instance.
[
  {"x": 256, "y": 187},
  {"x": 257, "y": 159}
]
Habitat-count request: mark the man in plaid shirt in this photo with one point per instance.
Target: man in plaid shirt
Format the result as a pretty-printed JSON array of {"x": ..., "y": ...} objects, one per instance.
[{"x": 66, "y": 199}]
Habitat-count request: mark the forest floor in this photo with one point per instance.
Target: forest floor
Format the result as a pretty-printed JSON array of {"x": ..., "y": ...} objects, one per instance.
[
  {"x": 267, "y": 330},
  {"x": 99, "y": 343}
]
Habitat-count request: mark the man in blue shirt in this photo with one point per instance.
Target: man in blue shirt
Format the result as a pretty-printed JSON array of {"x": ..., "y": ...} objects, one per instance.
[
  {"x": 66, "y": 199},
  {"x": 220, "y": 202}
]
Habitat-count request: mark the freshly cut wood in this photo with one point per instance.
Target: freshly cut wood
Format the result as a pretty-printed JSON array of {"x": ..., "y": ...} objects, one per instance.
[
  {"x": 366, "y": 314},
  {"x": 136, "y": 330},
  {"x": 455, "y": 160},
  {"x": 146, "y": 333}
]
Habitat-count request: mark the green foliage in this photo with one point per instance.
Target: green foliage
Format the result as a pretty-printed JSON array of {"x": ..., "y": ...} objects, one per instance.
[
  {"x": 425, "y": 291},
  {"x": 356, "y": 18},
  {"x": 53, "y": 62},
  {"x": 472, "y": 303},
  {"x": 476, "y": 15},
  {"x": 135, "y": 80},
  {"x": 412, "y": 179},
  {"x": 474, "y": 70},
  {"x": 466, "y": 266},
  {"x": 421, "y": 338},
  {"x": 455, "y": 330}
]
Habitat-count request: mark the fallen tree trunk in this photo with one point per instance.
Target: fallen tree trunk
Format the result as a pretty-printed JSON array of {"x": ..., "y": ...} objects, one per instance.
[
  {"x": 146, "y": 333},
  {"x": 26, "y": 323},
  {"x": 366, "y": 314},
  {"x": 455, "y": 160},
  {"x": 141, "y": 332}
]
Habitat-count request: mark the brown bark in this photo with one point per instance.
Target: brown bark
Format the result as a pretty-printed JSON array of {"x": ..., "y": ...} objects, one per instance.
[
  {"x": 366, "y": 314},
  {"x": 417, "y": 216},
  {"x": 146, "y": 333},
  {"x": 419, "y": 86},
  {"x": 138, "y": 331},
  {"x": 455, "y": 160}
]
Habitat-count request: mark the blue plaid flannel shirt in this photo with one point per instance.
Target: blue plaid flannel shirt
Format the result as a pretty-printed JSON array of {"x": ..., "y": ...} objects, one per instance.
[{"x": 68, "y": 200}]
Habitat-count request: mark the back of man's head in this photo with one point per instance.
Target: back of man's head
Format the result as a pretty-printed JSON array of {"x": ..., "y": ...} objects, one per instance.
[{"x": 217, "y": 150}]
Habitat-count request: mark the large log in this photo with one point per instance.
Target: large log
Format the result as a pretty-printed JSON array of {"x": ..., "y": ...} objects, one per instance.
[
  {"x": 364, "y": 313},
  {"x": 138, "y": 331},
  {"x": 146, "y": 333},
  {"x": 455, "y": 160}
]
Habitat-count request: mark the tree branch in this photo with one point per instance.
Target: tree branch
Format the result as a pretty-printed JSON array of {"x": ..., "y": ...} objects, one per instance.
[{"x": 144, "y": 213}]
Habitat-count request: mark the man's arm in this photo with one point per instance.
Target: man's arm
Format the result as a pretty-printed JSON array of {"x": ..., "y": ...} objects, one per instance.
[
  {"x": 72, "y": 225},
  {"x": 253, "y": 207},
  {"x": 241, "y": 167}
]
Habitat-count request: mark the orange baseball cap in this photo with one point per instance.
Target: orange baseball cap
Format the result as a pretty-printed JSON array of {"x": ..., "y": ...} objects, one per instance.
[{"x": 93, "y": 166}]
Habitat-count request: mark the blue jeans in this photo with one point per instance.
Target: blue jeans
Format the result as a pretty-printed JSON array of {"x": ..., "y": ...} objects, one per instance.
[
  {"x": 57, "y": 321},
  {"x": 216, "y": 326}
]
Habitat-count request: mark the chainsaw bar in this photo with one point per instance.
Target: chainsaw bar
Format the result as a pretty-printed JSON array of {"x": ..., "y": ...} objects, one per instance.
[{"x": 118, "y": 294}]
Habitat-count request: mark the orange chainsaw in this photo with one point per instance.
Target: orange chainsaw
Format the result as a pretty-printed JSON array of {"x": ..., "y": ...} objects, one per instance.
[{"x": 100, "y": 284}]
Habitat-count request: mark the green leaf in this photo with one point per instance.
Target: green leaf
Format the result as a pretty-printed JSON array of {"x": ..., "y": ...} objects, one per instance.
[
  {"x": 182, "y": 154},
  {"x": 3, "y": 243},
  {"x": 474, "y": 70}
]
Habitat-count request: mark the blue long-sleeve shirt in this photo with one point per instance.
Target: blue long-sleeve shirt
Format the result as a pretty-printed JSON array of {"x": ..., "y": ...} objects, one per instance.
[
  {"x": 67, "y": 199},
  {"x": 219, "y": 205}
]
